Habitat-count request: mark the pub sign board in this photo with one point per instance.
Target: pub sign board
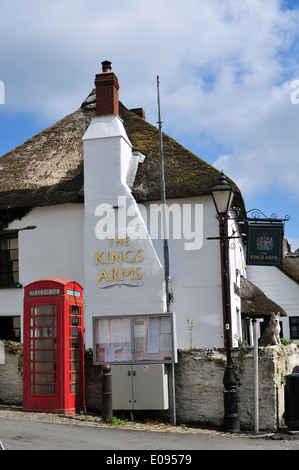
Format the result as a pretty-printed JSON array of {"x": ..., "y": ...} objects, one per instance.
[{"x": 264, "y": 246}]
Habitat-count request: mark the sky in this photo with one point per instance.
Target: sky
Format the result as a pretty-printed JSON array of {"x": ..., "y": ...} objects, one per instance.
[{"x": 228, "y": 71}]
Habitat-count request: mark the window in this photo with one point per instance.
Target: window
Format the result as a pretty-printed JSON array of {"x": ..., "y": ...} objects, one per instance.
[
  {"x": 10, "y": 328},
  {"x": 294, "y": 327},
  {"x": 9, "y": 259}
]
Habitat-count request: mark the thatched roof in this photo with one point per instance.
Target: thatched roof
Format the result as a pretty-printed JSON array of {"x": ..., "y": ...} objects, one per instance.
[
  {"x": 254, "y": 303},
  {"x": 290, "y": 266},
  {"x": 48, "y": 168}
]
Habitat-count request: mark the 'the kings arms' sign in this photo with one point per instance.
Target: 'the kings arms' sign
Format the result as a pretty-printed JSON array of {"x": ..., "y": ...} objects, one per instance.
[{"x": 264, "y": 246}]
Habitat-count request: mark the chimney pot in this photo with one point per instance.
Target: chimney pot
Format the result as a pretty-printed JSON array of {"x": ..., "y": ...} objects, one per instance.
[
  {"x": 106, "y": 66},
  {"x": 140, "y": 112}
]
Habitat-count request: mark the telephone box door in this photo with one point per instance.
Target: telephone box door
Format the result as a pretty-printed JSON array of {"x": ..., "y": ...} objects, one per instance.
[{"x": 53, "y": 370}]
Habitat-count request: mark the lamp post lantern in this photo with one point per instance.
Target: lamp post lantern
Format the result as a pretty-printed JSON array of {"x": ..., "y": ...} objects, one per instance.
[{"x": 223, "y": 195}]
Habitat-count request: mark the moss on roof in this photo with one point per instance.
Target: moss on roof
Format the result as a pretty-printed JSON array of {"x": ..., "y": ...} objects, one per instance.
[
  {"x": 254, "y": 303},
  {"x": 290, "y": 268},
  {"x": 48, "y": 168}
]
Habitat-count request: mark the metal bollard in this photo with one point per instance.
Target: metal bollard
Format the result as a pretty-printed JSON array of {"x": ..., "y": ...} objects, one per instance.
[{"x": 106, "y": 392}]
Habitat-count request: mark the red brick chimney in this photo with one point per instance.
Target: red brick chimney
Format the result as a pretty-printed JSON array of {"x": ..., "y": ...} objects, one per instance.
[{"x": 106, "y": 91}]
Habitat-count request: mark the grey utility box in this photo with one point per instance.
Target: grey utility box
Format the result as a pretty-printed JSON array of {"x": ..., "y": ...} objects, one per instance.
[{"x": 139, "y": 387}]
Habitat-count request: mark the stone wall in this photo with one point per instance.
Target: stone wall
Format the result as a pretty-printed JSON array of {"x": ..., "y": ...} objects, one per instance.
[
  {"x": 199, "y": 387},
  {"x": 93, "y": 384},
  {"x": 11, "y": 380},
  {"x": 198, "y": 381}
]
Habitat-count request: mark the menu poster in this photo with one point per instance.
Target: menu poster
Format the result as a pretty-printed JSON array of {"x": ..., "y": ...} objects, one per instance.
[
  {"x": 153, "y": 335},
  {"x": 134, "y": 339},
  {"x": 139, "y": 334},
  {"x": 113, "y": 340},
  {"x": 153, "y": 338}
]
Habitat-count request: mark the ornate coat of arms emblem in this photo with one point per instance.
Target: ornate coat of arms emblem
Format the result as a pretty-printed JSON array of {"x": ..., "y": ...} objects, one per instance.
[{"x": 264, "y": 242}]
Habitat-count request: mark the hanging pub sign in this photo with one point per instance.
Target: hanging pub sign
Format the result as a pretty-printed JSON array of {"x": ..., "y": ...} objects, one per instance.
[{"x": 264, "y": 246}]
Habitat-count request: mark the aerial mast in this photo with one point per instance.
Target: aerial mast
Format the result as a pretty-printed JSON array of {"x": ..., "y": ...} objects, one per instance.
[
  {"x": 170, "y": 367},
  {"x": 163, "y": 198}
]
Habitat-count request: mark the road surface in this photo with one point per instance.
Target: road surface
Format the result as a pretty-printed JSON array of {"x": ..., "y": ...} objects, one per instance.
[{"x": 20, "y": 434}]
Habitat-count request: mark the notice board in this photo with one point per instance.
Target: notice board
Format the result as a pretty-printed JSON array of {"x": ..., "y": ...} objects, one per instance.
[{"x": 135, "y": 339}]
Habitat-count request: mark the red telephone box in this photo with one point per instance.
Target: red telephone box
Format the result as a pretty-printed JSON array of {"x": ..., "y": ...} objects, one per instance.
[{"x": 53, "y": 358}]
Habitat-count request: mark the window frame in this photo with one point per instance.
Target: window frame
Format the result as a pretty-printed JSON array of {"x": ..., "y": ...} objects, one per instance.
[
  {"x": 12, "y": 273},
  {"x": 295, "y": 324}
]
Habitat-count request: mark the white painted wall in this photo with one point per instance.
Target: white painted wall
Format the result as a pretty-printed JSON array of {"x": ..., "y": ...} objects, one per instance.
[
  {"x": 196, "y": 278},
  {"x": 237, "y": 269},
  {"x": 278, "y": 287},
  {"x": 56, "y": 248},
  {"x": 53, "y": 248},
  {"x": 107, "y": 290}
]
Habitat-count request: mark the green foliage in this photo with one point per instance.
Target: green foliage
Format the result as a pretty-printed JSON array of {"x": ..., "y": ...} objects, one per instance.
[
  {"x": 115, "y": 421},
  {"x": 190, "y": 324},
  {"x": 285, "y": 342},
  {"x": 12, "y": 347},
  {"x": 88, "y": 356}
]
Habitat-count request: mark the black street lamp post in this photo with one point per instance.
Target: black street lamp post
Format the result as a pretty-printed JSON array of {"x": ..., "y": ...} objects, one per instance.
[{"x": 223, "y": 195}]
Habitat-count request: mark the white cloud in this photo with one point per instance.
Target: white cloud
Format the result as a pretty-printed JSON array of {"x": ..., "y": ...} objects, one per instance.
[
  {"x": 294, "y": 243},
  {"x": 225, "y": 69}
]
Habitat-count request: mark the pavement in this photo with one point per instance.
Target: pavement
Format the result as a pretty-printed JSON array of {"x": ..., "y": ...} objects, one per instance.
[{"x": 94, "y": 420}]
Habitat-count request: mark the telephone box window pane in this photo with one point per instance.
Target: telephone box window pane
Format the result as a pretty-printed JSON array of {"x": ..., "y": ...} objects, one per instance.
[
  {"x": 75, "y": 310},
  {"x": 76, "y": 388},
  {"x": 76, "y": 377},
  {"x": 45, "y": 332},
  {"x": 43, "y": 310},
  {"x": 74, "y": 321},
  {"x": 44, "y": 378},
  {"x": 76, "y": 365},
  {"x": 43, "y": 366},
  {"x": 74, "y": 343},
  {"x": 43, "y": 321},
  {"x": 43, "y": 389},
  {"x": 74, "y": 332},
  {"x": 75, "y": 354},
  {"x": 43, "y": 343},
  {"x": 43, "y": 355}
]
